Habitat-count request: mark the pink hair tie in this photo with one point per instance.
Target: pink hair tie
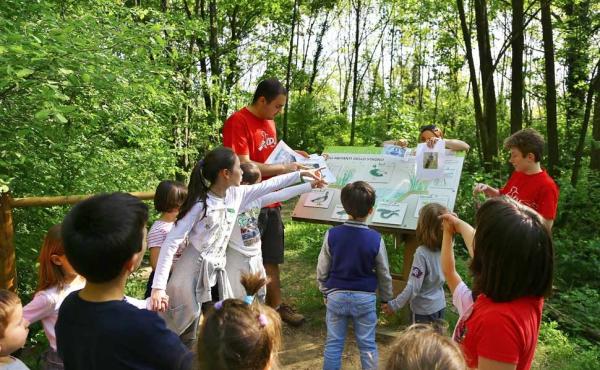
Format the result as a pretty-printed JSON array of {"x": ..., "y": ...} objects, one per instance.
[
  {"x": 218, "y": 305},
  {"x": 262, "y": 320}
]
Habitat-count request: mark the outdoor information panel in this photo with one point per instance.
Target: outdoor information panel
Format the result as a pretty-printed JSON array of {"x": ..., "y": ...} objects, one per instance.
[{"x": 400, "y": 194}]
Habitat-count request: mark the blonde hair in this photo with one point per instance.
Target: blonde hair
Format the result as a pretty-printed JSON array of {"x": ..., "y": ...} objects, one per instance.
[
  {"x": 421, "y": 347},
  {"x": 237, "y": 335},
  {"x": 8, "y": 302},
  {"x": 429, "y": 226}
]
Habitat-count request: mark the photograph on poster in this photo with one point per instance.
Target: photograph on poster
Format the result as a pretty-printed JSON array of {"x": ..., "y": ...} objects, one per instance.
[
  {"x": 430, "y": 160},
  {"x": 320, "y": 198},
  {"x": 339, "y": 213},
  {"x": 389, "y": 213}
]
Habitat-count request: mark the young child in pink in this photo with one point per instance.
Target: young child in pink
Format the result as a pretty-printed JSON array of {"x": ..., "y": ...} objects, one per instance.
[{"x": 56, "y": 280}]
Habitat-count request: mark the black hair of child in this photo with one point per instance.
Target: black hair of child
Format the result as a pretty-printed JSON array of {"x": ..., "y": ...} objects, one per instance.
[
  {"x": 204, "y": 174},
  {"x": 102, "y": 233},
  {"x": 358, "y": 198},
  {"x": 169, "y": 195},
  {"x": 270, "y": 89},
  {"x": 513, "y": 252}
]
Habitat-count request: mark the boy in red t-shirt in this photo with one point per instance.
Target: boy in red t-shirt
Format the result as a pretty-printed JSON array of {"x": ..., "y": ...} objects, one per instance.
[
  {"x": 251, "y": 133},
  {"x": 529, "y": 183}
]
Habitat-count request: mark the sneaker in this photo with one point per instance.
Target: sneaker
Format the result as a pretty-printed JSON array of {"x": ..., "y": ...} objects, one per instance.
[{"x": 289, "y": 315}]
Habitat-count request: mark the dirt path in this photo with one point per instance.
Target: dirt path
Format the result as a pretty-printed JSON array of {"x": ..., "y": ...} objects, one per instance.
[{"x": 304, "y": 349}]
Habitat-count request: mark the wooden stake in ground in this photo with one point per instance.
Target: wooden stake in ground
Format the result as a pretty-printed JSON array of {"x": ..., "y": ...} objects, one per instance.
[{"x": 8, "y": 270}]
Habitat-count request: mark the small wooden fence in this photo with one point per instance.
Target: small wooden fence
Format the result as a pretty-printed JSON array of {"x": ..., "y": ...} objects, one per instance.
[{"x": 8, "y": 270}]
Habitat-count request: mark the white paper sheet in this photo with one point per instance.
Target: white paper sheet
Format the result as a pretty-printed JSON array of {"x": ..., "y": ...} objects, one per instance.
[
  {"x": 430, "y": 161},
  {"x": 284, "y": 154}
]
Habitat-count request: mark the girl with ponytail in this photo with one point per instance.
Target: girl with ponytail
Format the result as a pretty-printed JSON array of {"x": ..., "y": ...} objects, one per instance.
[{"x": 205, "y": 223}]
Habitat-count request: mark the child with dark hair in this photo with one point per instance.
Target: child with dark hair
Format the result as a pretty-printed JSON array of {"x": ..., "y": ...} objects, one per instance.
[
  {"x": 244, "y": 250},
  {"x": 352, "y": 265},
  {"x": 104, "y": 238},
  {"x": 430, "y": 134},
  {"x": 425, "y": 287},
  {"x": 512, "y": 268},
  {"x": 529, "y": 183},
  {"x": 13, "y": 330},
  {"x": 56, "y": 280},
  {"x": 168, "y": 198},
  {"x": 422, "y": 347},
  {"x": 240, "y": 334},
  {"x": 206, "y": 219}
]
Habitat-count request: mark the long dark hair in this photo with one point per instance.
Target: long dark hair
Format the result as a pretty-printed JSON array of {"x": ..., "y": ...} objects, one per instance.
[
  {"x": 514, "y": 254},
  {"x": 205, "y": 174}
]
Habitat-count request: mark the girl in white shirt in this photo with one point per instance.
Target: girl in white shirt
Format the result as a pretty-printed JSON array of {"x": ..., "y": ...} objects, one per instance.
[
  {"x": 244, "y": 255},
  {"x": 57, "y": 279},
  {"x": 206, "y": 221}
]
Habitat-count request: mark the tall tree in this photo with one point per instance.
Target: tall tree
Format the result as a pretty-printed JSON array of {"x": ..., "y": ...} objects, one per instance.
[
  {"x": 357, "y": 5},
  {"x": 593, "y": 85},
  {"x": 551, "y": 115},
  {"x": 595, "y": 142},
  {"x": 518, "y": 42},
  {"x": 486, "y": 67},
  {"x": 480, "y": 128},
  {"x": 288, "y": 70},
  {"x": 577, "y": 29}
]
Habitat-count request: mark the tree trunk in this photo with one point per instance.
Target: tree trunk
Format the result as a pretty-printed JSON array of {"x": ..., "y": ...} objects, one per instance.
[
  {"x": 486, "y": 66},
  {"x": 318, "y": 51},
  {"x": 551, "y": 114},
  {"x": 577, "y": 59},
  {"x": 594, "y": 82},
  {"x": 479, "y": 122},
  {"x": 288, "y": 72},
  {"x": 595, "y": 150},
  {"x": 516, "y": 97},
  {"x": 357, "y": 9}
]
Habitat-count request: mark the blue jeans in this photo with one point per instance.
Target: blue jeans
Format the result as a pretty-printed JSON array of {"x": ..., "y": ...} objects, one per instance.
[
  {"x": 359, "y": 307},
  {"x": 428, "y": 319}
]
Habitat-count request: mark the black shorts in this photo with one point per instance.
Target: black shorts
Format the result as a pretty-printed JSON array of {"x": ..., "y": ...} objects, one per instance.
[{"x": 271, "y": 235}]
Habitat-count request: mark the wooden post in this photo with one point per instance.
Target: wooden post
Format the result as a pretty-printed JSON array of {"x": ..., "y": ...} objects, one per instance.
[
  {"x": 8, "y": 270},
  {"x": 399, "y": 281}
]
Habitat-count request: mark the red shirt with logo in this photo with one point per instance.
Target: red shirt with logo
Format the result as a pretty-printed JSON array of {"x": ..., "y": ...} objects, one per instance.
[
  {"x": 249, "y": 135},
  {"x": 537, "y": 191},
  {"x": 504, "y": 332}
]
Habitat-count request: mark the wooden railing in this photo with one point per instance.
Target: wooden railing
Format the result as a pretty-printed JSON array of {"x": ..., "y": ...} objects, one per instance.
[{"x": 8, "y": 268}]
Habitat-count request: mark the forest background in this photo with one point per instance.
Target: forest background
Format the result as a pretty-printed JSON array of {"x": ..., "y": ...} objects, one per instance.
[{"x": 114, "y": 95}]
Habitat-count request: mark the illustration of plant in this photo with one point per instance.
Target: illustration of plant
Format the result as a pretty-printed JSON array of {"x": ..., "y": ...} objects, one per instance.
[{"x": 345, "y": 177}]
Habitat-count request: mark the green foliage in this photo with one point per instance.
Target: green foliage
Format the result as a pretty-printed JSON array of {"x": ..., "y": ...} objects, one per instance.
[{"x": 556, "y": 350}]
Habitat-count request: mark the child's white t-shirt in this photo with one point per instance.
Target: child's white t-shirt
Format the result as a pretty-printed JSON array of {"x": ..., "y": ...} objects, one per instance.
[
  {"x": 462, "y": 298},
  {"x": 210, "y": 234},
  {"x": 245, "y": 237},
  {"x": 45, "y": 304}
]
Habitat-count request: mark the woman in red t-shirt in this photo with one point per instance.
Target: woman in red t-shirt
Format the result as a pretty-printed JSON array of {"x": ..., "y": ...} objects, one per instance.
[{"x": 512, "y": 271}]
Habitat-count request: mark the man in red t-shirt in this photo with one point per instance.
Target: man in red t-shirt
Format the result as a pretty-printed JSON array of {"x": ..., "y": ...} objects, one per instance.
[
  {"x": 529, "y": 183},
  {"x": 251, "y": 133}
]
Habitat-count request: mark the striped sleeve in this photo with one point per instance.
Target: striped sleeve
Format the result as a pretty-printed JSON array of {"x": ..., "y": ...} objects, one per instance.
[{"x": 156, "y": 237}]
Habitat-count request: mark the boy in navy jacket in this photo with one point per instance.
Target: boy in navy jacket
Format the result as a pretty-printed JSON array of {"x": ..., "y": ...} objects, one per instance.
[{"x": 352, "y": 266}]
